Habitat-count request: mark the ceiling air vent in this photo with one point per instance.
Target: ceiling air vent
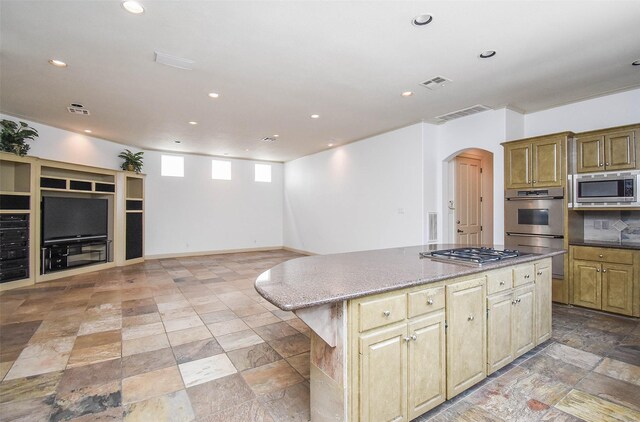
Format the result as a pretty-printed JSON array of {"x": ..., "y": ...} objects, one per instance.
[
  {"x": 174, "y": 61},
  {"x": 463, "y": 113},
  {"x": 77, "y": 110},
  {"x": 268, "y": 139},
  {"x": 435, "y": 83}
]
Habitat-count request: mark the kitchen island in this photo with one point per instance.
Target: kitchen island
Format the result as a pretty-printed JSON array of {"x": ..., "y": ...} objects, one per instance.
[{"x": 393, "y": 335}]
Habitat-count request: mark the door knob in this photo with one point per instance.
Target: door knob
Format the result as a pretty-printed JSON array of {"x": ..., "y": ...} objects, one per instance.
[
  {"x": 600, "y": 256},
  {"x": 458, "y": 222},
  {"x": 386, "y": 313},
  {"x": 470, "y": 318},
  {"x": 502, "y": 283},
  {"x": 429, "y": 301}
]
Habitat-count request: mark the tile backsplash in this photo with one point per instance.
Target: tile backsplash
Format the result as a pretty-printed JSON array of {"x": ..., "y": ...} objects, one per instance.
[{"x": 612, "y": 226}]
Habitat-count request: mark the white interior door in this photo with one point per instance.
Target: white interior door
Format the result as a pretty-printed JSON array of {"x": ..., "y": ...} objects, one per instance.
[{"x": 468, "y": 210}]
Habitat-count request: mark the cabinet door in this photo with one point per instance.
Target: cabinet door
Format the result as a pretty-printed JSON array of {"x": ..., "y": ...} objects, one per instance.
[
  {"x": 383, "y": 374},
  {"x": 590, "y": 152},
  {"x": 466, "y": 335},
  {"x": 617, "y": 288},
  {"x": 546, "y": 163},
  {"x": 620, "y": 151},
  {"x": 499, "y": 315},
  {"x": 543, "y": 302},
  {"x": 523, "y": 323},
  {"x": 427, "y": 376},
  {"x": 517, "y": 166},
  {"x": 587, "y": 284}
]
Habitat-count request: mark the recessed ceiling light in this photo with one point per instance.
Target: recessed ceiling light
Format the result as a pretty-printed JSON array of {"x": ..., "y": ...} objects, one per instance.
[
  {"x": 329, "y": 145},
  {"x": 193, "y": 123},
  {"x": 133, "y": 7},
  {"x": 87, "y": 131},
  {"x": 276, "y": 136},
  {"x": 407, "y": 93},
  {"x": 177, "y": 142},
  {"x": 247, "y": 149},
  {"x": 214, "y": 94},
  {"x": 315, "y": 116},
  {"x": 487, "y": 54},
  {"x": 57, "y": 63},
  {"x": 422, "y": 20},
  {"x": 636, "y": 63}
]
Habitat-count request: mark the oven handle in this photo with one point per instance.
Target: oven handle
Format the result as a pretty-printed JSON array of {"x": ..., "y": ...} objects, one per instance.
[
  {"x": 548, "y": 236},
  {"x": 528, "y": 198}
]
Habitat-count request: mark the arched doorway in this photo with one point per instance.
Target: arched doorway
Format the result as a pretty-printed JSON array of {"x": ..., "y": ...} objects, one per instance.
[{"x": 468, "y": 187}]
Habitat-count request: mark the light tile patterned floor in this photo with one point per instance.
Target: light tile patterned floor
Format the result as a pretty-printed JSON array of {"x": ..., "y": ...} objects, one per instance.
[{"x": 190, "y": 339}]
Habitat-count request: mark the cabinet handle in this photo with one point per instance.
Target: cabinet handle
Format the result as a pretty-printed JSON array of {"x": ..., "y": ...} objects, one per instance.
[
  {"x": 606, "y": 164},
  {"x": 414, "y": 337},
  {"x": 518, "y": 300},
  {"x": 597, "y": 270},
  {"x": 470, "y": 318},
  {"x": 386, "y": 313},
  {"x": 407, "y": 339},
  {"x": 502, "y": 283},
  {"x": 600, "y": 165},
  {"x": 600, "y": 256},
  {"x": 513, "y": 302},
  {"x": 604, "y": 270},
  {"x": 429, "y": 301},
  {"x": 534, "y": 181},
  {"x": 526, "y": 276},
  {"x": 539, "y": 272}
]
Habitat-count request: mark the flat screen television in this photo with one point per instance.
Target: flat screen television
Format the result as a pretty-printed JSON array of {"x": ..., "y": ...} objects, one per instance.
[{"x": 69, "y": 219}]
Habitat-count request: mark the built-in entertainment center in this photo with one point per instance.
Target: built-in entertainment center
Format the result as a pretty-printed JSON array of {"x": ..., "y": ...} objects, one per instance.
[{"x": 61, "y": 219}]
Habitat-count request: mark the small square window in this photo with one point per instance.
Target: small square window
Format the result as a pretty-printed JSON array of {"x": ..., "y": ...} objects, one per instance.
[
  {"x": 172, "y": 165},
  {"x": 263, "y": 173},
  {"x": 221, "y": 170}
]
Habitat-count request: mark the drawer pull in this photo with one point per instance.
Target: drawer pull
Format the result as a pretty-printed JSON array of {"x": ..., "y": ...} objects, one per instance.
[
  {"x": 470, "y": 318},
  {"x": 526, "y": 276},
  {"x": 386, "y": 313},
  {"x": 429, "y": 301},
  {"x": 414, "y": 337},
  {"x": 600, "y": 256},
  {"x": 502, "y": 283}
]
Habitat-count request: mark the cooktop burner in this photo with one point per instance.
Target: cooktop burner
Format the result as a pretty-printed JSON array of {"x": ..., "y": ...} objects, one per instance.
[{"x": 471, "y": 256}]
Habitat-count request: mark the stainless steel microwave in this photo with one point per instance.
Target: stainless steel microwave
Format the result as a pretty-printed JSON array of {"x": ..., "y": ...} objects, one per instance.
[{"x": 607, "y": 189}]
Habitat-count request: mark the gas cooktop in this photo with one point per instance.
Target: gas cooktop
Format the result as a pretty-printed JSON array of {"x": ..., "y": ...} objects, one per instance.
[{"x": 471, "y": 256}]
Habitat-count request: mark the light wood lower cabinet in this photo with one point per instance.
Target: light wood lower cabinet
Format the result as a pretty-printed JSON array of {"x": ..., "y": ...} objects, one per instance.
[
  {"x": 605, "y": 280},
  {"x": 523, "y": 323},
  {"x": 543, "y": 295},
  {"x": 383, "y": 374},
  {"x": 499, "y": 331},
  {"x": 466, "y": 335},
  {"x": 427, "y": 363}
]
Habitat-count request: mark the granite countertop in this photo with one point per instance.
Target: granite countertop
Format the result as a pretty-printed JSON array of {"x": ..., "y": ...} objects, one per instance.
[
  {"x": 321, "y": 279},
  {"x": 604, "y": 244}
]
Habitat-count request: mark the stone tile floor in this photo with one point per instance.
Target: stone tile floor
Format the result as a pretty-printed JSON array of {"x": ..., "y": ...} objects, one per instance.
[{"x": 190, "y": 339}]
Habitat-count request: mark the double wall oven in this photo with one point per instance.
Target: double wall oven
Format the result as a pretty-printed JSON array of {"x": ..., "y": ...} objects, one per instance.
[{"x": 534, "y": 222}]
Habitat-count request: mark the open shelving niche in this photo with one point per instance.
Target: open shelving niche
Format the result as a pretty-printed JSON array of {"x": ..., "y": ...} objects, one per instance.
[
  {"x": 16, "y": 209},
  {"x": 131, "y": 248}
]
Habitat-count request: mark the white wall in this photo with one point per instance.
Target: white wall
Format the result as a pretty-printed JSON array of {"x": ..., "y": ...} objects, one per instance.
[
  {"x": 598, "y": 113},
  {"x": 364, "y": 195},
  {"x": 184, "y": 215},
  {"x": 195, "y": 213}
]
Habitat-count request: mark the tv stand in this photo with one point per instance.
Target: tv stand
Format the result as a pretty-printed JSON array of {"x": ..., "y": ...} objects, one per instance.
[{"x": 66, "y": 255}]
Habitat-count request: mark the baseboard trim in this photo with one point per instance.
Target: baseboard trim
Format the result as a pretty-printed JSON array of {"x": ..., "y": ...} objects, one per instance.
[
  {"x": 300, "y": 251},
  {"x": 214, "y": 252}
]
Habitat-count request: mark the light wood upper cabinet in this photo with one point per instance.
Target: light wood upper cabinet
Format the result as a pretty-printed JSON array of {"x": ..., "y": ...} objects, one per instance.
[
  {"x": 546, "y": 163},
  {"x": 611, "y": 150},
  {"x": 466, "y": 336},
  {"x": 617, "y": 288},
  {"x": 543, "y": 302},
  {"x": 427, "y": 377},
  {"x": 383, "y": 375},
  {"x": 535, "y": 163}
]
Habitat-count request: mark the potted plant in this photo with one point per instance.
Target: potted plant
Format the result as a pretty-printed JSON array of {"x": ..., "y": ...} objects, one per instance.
[
  {"x": 132, "y": 162},
  {"x": 14, "y": 136}
]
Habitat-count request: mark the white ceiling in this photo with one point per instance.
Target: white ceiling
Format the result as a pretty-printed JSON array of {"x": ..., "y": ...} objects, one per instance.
[{"x": 275, "y": 63}]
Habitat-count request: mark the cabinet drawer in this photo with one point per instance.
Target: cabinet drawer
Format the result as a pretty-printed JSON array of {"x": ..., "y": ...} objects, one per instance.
[
  {"x": 378, "y": 312},
  {"x": 499, "y": 280},
  {"x": 587, "y": 253},
  {"x": 523, "y": 274},
  {"x": 425, "y": 301}
]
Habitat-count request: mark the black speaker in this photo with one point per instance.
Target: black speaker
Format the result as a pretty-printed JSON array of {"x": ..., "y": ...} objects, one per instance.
[
  {"x": 79, "y": 185},
  {"x": 133, "y": 243},
  {"x": 105, "y": 187},
  {"x": 14, "y": 202},
  {"x": 48, "y": 182}
]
